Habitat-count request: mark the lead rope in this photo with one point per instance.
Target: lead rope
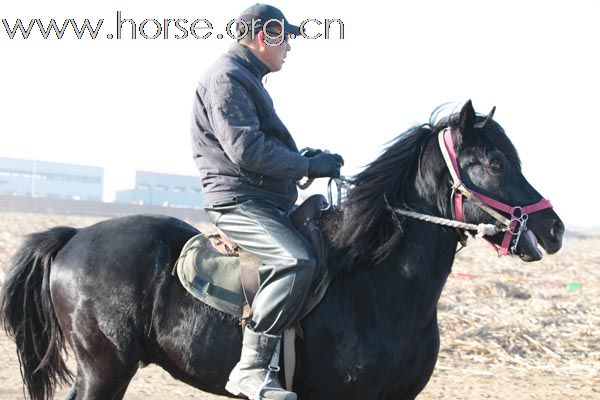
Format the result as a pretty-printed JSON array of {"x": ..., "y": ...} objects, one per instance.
[{"x": 482, "y": 229}]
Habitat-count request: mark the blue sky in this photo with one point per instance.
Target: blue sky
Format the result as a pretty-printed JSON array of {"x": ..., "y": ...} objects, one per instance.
[{"x": 125, "y": 104}]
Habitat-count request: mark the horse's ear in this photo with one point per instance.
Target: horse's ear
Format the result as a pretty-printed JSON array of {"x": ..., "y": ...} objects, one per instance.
[
  {"x": 466, "y": 120},
  {"x": 487, "y": 119}
]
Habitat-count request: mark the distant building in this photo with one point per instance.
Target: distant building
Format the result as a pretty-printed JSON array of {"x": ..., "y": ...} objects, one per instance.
[
  {"x": 48, "y": 179},
  {"x": 163, "y": 190}
]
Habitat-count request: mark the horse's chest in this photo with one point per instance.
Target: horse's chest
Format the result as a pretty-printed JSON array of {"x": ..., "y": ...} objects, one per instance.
[{"x": 372, "y": 365}]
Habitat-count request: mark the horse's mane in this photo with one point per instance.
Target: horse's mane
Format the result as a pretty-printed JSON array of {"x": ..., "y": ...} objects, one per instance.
[{"x": 365, "y": 231}]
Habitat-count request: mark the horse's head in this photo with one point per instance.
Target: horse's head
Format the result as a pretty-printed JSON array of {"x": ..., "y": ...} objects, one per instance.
[
  {"x": 463, "y": 167},
  {"x": 496, "y": 190}
]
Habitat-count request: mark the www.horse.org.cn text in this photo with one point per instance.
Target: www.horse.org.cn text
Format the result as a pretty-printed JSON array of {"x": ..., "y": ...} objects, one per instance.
[{"x": 165, "y": 28}]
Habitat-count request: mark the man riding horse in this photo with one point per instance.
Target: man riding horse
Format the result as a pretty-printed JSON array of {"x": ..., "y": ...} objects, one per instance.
[{"x": 249, "y": 165}]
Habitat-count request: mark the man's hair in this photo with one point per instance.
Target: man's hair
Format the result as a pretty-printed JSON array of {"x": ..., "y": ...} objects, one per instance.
[{"x": 271, "y": 32}]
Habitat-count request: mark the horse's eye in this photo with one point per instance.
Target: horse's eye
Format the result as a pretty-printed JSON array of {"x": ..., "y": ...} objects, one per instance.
[{"x": 496, "y": 167}]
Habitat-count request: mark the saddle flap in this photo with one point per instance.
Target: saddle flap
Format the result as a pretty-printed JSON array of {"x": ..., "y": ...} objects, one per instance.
[{"x": 211, "y": 277}]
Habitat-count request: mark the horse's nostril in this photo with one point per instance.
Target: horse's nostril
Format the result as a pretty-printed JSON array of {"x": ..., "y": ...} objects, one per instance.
[{"x": 557, "y": 230}]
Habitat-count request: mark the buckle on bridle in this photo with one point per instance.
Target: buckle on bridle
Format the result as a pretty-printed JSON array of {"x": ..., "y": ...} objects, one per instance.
[
  {"x": 517, "y": 212},
  {"x": 521, "y": 222},
  {"x": 517, "y": 222}
]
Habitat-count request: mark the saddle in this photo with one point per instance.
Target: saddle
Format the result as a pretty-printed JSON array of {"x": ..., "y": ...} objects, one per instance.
[{"x": 217, "y": 272}]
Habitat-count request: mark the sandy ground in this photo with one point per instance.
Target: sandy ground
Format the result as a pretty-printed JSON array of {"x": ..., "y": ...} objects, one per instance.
[{"x": 509, "y": 329}]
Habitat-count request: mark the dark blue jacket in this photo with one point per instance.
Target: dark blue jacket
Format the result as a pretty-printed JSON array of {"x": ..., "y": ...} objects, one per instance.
[{"x": 240, "y": 145}]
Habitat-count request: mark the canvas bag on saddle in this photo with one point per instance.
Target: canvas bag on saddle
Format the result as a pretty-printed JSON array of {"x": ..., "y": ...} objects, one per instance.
[{"x": 220, "y": 274}]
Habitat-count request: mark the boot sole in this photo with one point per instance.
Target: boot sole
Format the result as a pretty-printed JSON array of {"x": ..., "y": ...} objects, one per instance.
[
  {"x": 236, "y": 391},
  {"x": 233, "y": 389}
]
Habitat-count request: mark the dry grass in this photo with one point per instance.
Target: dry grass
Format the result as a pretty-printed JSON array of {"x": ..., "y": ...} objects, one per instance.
[
  {"x": 509, "y": 329},
  {"x": 503, "y": 317}
]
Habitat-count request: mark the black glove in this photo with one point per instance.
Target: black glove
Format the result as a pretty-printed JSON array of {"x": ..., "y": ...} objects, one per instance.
[
  {"x": 310, "y": 152},
  {"x": 325, "y": 165}
]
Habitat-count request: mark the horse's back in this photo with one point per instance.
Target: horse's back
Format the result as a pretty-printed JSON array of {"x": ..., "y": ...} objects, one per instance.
[
  {"x": 109, "y": 275},
  {"x": 123, "y": 243}
]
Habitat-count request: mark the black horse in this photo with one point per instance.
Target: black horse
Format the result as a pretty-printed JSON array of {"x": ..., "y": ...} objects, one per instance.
[{"x": 107, "y": 289}]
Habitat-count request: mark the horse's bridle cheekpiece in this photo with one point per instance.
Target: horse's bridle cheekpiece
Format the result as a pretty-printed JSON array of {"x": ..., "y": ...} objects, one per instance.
[{"x": 513, "y": 227}]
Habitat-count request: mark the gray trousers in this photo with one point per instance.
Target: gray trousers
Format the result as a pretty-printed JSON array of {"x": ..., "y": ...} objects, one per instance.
[{"x": 288, "y": 261}]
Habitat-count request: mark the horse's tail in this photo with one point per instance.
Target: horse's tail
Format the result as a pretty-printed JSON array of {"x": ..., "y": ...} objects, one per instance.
[{"x": 27, "y": 314}]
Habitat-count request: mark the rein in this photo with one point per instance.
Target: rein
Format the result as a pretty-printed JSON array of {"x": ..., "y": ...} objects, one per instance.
[
  {"x": 341, "y": 183},
  {"x": 513, "y": 226}
]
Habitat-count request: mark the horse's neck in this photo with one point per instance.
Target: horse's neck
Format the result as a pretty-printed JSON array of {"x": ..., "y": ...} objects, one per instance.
[
  {"x": 409, "y": 282},
  {"x": 426, "y": 251}
]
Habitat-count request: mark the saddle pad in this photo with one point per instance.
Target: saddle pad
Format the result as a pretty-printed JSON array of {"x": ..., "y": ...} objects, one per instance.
[{"x": 211, "y": 277}]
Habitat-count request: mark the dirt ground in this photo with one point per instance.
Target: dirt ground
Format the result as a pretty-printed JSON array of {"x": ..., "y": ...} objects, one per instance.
[{"x": 509, "y": 329}]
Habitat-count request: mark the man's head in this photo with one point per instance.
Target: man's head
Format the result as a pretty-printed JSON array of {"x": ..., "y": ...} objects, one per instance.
[{"x": 265, "y": 30}]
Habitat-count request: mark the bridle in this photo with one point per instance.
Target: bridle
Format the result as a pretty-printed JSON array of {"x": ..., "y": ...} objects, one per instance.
[{"x": 513, "y": 227}]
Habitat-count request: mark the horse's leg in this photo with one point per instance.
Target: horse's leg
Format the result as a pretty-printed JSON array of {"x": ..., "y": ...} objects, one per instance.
[
  {"x": 107, "y": 353},
  {"x": 102, "y": 382}
]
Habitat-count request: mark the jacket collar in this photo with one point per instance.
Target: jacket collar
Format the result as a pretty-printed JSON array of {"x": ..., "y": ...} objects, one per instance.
[{"x": 245, "y": 55}]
